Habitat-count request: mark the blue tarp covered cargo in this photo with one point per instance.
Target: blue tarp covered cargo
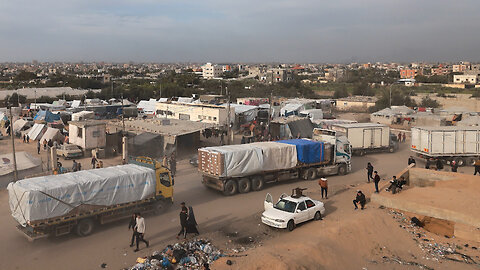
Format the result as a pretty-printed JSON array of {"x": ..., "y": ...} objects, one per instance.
[{"x": 307, "y": 151}]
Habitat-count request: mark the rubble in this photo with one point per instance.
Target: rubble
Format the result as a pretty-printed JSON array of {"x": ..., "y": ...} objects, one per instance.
[
  {"x": 433, "y": 251},
  {"x": 192, "y": 254}
]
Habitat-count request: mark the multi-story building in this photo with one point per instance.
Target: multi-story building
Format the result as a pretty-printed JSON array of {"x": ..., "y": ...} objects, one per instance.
[
  {"x": 410, "y": 73},
  {"x": 466, "y": 78},
  {"x": 440, "y": 70},
  {"x": 195, "y": 112},
  {"x": 459, "y": 68},
  {"x": 276, "y": 75},
  {"x": 210, "y": 71}
]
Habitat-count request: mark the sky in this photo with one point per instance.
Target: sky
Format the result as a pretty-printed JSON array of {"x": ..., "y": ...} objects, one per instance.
[{"x": 222, "y": 31}]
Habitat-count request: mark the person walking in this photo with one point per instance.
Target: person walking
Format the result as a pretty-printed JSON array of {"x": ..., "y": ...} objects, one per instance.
[
  {"x": 428, "y": 163},
  {"x": 191, "y": 226},
  {"x": 399, "y": 137},
  {"x": 454, "y": 166},
  {"x": 369, "y": 172},
  {"x": 28, "y": 139},
  {"x": 404, "y": 137},
  {"x": 360, "y": 199},
  {"x": 140, "y": 228},
  {"x": 323, "y": 186},
  {"x": 411, "y": 160},
  {"x": 24, "y": 138},
  {"x": 38, "y": 147},
  {"x": 131, "y": 225},
  {"x": 439, "y": 164},
  {"x": 376, "y": 180},
  {"x": 183, "y": 221},
  {"x": 45, "y": 144},
  {"x": 94, "y": 161},
  {"x": 476, "y": 165}
]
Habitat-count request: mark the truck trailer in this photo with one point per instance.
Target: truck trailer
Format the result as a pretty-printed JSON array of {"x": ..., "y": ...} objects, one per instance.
[
  {"x": 368, "y": 137},
  {"x": 246, "y": 167},
  {"x": 448, "y": 143},
  {"x": 55, "y": 205}
]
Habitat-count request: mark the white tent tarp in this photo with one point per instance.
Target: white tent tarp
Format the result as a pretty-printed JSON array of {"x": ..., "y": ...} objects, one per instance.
[
  {"x": 52, "y": 134},
  {"x": 26, "y": 165},
  {"x": 75, "y": 103},
  {"x": 83, "y": 115},
  {"x": 277, "y": 155},
  {"x": 56, "y": 195},
  {"x": 18, "y": 125},
  {"x": 36, "y": 132}
]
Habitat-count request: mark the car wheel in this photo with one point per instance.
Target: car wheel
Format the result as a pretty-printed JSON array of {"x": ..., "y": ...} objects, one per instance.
[
  {"x": 230, "y": 188},
  {"x": 291, "y": 225},
  {"x": 257, "y": 183},
  {"x": 318, "y": 216},
  {"x": 244, "y": 185}
]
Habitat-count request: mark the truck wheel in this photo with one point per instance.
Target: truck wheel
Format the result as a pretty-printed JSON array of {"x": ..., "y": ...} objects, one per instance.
[
  {"x": 342, "y": 170},
  {"x": 460, "y": 161},
  {"x": 471, "y": 161},
  {"x": 230, "y": 188},
  {"x": 257, "y": 183},
  {"x": 310, "y": 174},
  {"x": 391, "y": 149},
  {"x": 85, "y": 227},
  {"x": 291, "y": 225},
  {"x": 244, "y": 185}
]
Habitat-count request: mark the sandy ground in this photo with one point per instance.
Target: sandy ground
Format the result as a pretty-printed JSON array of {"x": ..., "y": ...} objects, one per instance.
[{"x": 346, "y": 239}]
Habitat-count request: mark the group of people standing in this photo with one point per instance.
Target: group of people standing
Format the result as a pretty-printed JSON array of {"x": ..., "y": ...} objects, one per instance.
[{"x": 401, "y": 137}]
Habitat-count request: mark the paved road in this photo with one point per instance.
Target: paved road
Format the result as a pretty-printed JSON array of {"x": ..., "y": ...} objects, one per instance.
[{"x": 109, "y": 244}]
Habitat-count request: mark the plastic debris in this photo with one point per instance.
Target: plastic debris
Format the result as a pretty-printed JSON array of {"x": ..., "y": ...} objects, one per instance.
[{"x": 191, "y": 254}]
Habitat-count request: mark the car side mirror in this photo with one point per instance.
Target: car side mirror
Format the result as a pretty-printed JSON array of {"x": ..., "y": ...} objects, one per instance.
[{"x": 298, "y": 210}]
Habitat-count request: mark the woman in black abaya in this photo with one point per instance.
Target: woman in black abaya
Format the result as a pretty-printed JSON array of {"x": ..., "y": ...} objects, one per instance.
[{"x": 191, "y": 222}]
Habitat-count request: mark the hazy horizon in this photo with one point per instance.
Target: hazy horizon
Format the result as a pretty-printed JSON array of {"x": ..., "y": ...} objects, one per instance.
[{"x": 305, "y": 31}]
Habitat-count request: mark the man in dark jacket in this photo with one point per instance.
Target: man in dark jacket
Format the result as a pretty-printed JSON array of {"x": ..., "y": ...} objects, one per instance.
[
  {"x": 439, "y": 164},
  {"x": 411, "y": 160},
  {"x": 376, "y": 179},
  {"x": 183, "y": 221},
  {"x": 131, "y": 225},
  {"x": 369, "y": 172},
  {"x": 360, "y": 199},
  {"x": 454, "y": 166}
]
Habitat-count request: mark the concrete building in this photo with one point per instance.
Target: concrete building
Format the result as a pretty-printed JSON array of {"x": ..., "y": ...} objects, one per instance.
[
  {"x": 355, "y": 103},
  {"x": 194, "y": 112},
  {"x": 466, "y": 78},
  {"x": 210, "y": 71},
  {"x": 459, "y": 68},
  {"x": 88, "y": 134},
  {"x": 276, "y": 75},
  {"x": 410, "y": 73}
]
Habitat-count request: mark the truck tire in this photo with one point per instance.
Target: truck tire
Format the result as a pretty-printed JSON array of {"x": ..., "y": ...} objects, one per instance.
[
  {"x": 257, "y": 183},
  {"x": 310, "y": 174},
  {"x": 244, "y": 185},
  {"x": 471, "y": 161},
  {"x": 85, "y": 227},
  {"x": 230, "y": 188},
  {"x": 460, "y": 161},
  {"x": 342, "y": 170},
  {"x": 391, "y": 149}
]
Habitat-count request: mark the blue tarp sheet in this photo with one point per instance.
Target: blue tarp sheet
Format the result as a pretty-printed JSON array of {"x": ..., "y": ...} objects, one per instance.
[
  {"x": 307, "y": 151},
  {"x": 48, "y": 116}
]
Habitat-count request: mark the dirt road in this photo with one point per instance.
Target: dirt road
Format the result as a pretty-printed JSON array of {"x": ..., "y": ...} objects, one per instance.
[{"x": 214, "y": 212}]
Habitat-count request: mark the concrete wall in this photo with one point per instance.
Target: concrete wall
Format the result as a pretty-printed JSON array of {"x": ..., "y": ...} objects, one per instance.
[
  {"x": 422, "y": 177},
  {"x": 91, "y": 136},
  {"x": 206, "y": 114},
  {"x": 460, "y": 100}
]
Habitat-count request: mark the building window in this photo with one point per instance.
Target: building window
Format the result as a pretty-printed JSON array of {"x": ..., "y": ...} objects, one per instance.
[
  {"x": 96, "y": 133},
  {"x": 214, "y": 118},
  {"x": 80, "y": 132},
  {"x": 209, "y": 118},
  {"x": 199, "y": 117}
]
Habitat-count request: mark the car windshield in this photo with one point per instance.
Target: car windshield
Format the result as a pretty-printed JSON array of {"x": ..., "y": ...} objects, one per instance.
[{"x": 286, "y": 205}]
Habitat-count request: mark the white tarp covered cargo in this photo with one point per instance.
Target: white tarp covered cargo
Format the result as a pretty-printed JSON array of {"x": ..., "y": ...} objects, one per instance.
[
  {"x": 36, "y": 132},
  {"x": 277, "y": 156},
  {"x": 51, "y": 196},
  {"x": 238, "y": 160}
]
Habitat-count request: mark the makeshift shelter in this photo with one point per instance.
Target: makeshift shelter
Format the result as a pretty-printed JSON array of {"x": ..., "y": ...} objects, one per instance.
[
  {"x": 20, "y": 125},
  {"x": 47, "y": 116},
  {"x": 146, "y": 144},
  {"x": 83, "y": 115},
  {"x": 26, "y": 166},
  {"x": 36, "y": 132},
  {"x": 291, "y": 127},
  {"x": 75, "y": 103},
  {"x": 244, "y": 113},
  {"x": 148, "y": 106},
  {"x": 52, "y": 134}
]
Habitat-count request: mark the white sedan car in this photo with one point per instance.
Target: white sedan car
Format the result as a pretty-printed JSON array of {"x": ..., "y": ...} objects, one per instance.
[{"x": 290, "y": 211}]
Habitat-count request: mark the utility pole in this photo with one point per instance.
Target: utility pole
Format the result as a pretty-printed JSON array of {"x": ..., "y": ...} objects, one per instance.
[
  {"x": 15, "y": 173},
  {"x": 270, "y": 110},
  {"x": 390, "y": 96},
  {"x": 229, "y": 131},
  {"x": 35, "y": 99}
]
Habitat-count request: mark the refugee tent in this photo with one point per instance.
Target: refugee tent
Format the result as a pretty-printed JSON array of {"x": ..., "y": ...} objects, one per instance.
[
  {"x": 80, "y": 116},
  {"x": 52, "y": 134},
  {"x": 47, "y": 116},
  {"x": 185, "y": 100},
  {"x": 36, "y": 132},
  {"x": 291, "y": 109},
  {"x": 148, "y": 106},
  {"x": 26, "y": 166},
  {"x": 249, "y": 112},
  {"x": 19, "y": 125},
  {"x": 75, "y": 104}
]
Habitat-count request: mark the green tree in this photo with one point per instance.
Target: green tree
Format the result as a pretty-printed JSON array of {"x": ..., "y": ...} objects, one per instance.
[
  {"x": 25, "y": 76},
  {"x": 340, "y": 92},
  {"x": 14, "y": 99},
  {"x": 429, "y": 103}
]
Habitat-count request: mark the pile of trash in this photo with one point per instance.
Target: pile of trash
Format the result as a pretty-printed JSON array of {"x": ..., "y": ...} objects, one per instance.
[
  {"x": 433, "y": 251},
  {"x": 191, "y": 254}
]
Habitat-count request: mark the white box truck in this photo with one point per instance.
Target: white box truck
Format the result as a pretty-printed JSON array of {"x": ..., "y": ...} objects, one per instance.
[
  {"x": 447, "y": 143},
  {"x": 368, "y": 137}
]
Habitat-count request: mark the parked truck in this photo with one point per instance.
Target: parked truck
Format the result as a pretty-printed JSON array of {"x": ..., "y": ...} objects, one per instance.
[
  {"x": 448, "y": 143},
  {"x": 246, "y": 167},
  {"x": 59, "y": 204},
  {"x": 368, "y": 137}
]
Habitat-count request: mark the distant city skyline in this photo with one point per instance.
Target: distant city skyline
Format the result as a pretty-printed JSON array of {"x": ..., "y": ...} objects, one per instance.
[{"x": 306, "y": 31}]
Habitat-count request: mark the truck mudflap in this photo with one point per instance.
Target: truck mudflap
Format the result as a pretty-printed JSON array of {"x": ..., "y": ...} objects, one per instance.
[
  {"x": 31, "y": 234},
  {"x": 214, "y": 183}
]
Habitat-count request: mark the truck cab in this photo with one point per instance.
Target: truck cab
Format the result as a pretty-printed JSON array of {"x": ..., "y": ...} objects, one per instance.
[
  {"x": 165, "y": 181},
  {"x": 343, "y": 148}
]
